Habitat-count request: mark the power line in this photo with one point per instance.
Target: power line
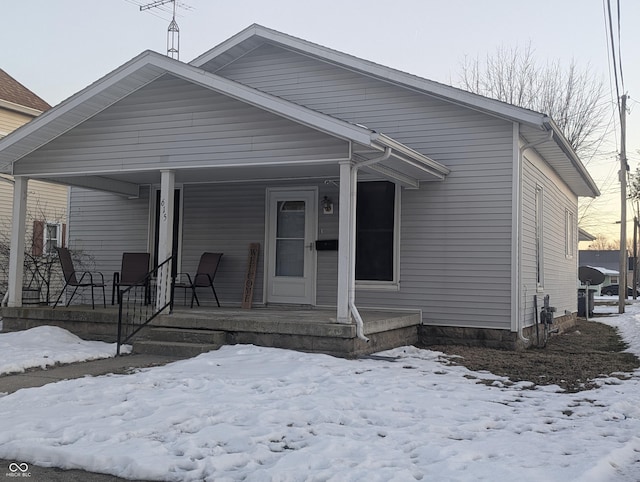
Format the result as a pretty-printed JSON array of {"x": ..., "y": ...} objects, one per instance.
[{"x": 613, "y": 50}]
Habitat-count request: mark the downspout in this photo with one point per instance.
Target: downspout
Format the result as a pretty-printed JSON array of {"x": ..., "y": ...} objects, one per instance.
[
  {"x": 352, "y": 284},
  {"x": 521, "y": 150}
]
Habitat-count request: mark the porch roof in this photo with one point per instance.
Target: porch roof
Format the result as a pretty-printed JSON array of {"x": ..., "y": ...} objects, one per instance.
[{"x": 400, "y": 163}]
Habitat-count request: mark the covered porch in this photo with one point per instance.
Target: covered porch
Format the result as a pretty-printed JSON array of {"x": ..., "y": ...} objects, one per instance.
[
  {"x": 155, "y": 126},
  {"x": 187, "y": 332}
]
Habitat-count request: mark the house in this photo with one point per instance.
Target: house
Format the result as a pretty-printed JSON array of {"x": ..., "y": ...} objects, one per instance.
[
  {"x": 608, "y": 263},
  {"x": 366, "y": 187},
  {"x": 610, "y": 276},
  {"x": 47, "y": 203}
]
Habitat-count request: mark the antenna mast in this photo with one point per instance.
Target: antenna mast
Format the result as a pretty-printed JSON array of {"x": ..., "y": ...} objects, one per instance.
[{"x": 173, "y": 32}]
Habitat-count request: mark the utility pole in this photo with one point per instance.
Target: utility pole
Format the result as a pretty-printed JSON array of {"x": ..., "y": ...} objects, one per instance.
[
  {"x": 173, "y": 32},
  {"x": 622, "y": 283},
  {"x": 635, "y": 256}
]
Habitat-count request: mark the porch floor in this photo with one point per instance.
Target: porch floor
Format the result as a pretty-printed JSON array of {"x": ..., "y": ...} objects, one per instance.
[{"x": 311, "y": 330}]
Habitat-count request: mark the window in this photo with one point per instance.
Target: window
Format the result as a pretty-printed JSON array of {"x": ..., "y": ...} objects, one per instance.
[
  {"x": 46, "y": 237},
  {"x": 376, "y": 232},
  {"x": 52, "y": 237},
  {"x": 539, "y": 222},
  {"x": 570, "y": 237}
]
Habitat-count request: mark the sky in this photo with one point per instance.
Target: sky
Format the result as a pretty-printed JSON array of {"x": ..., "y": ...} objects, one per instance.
[
  {"x": 56, "y": 48},
  {"x": 259, "y": 414}
]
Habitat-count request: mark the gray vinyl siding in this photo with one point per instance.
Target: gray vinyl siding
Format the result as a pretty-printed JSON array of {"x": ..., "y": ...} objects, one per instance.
[
  {"x": 172, "y": 123},
  {"x": 226, "y": 218},
  {"x": 455, "y": 235},
  {"x": 223, "y": 218},
  {"x": 102, "y": 226},
  {"x": 560, "y": 271}
]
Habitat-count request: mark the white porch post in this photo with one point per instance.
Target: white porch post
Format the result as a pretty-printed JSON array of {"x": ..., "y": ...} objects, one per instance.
[
  {"x": 344, "y": 242},
  {"x": 18, "y": 231},
  {"x": 165, "y": 238}
]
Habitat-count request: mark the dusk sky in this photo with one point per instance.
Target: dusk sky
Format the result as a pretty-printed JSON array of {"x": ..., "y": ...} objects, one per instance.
[{"x": 57, "y": 48}]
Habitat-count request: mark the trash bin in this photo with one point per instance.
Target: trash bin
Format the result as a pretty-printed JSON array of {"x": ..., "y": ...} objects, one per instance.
[{"x": 585, "y": 300}]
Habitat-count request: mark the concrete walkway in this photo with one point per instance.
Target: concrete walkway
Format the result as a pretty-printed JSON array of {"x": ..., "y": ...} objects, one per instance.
[
  {"x": 123, "y": 364},
  {"x": 40, "y": 377}
]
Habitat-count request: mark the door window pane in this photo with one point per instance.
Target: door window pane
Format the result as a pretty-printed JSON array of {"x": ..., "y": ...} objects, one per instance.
[
  {"x": 290, "y": 257},
  {"x": 290, "y": 230}
]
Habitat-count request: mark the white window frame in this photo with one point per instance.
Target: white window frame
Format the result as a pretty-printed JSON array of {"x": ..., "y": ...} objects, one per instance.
[
  {"x": 539, "y": 238},
  {"x": 570, "y": 234},
  {"x": 46, "y": 239},
  {"x": 394, "y": 284}
]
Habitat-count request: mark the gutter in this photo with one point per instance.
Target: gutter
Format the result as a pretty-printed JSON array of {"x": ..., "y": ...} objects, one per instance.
[{"x": 564, "y": 145}]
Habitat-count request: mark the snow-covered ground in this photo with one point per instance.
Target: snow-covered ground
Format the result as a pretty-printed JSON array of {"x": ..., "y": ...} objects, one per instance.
[
  {"x": 45, "y": 346},
  {"x": 260, "y": 414}
]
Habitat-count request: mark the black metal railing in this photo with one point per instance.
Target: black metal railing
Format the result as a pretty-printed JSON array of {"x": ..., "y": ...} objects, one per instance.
[{"x": 138, "y": 304}]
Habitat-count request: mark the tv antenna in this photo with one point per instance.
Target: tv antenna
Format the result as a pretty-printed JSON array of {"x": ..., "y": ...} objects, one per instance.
[{"x": 173, "y": 32}]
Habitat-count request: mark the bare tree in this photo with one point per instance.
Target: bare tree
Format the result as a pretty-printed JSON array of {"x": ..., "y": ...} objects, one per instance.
[
  {"x": 574, "y": 98},
  {"x": 603, "y": 243}
]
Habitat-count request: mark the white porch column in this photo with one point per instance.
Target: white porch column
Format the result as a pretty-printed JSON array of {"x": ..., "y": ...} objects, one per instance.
[
  {"x": 344, "y": 242},
  {"x": 165, "y": 238},
  {"x": 18, "y": 232}
]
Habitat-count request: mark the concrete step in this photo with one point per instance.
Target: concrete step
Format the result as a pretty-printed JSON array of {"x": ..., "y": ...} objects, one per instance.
[
  {"x": 185, "y": 335},
  {"x": 173, "y": 348}
]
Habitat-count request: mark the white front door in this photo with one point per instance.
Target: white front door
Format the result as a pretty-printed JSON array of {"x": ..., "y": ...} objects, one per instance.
[{"x": 292, "y": 221}]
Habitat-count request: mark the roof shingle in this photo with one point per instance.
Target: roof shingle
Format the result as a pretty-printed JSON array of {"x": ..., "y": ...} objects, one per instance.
[{"x": 13, "y": 91}]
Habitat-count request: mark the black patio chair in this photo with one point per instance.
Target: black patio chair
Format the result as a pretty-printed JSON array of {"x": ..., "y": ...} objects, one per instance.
[
  {"x": 133, "y": 272},
  {"x": 70, "y": 277},
  {"x": 203, "y": 278}
]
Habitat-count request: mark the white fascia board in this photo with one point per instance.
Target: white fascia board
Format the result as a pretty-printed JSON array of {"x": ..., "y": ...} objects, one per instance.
[
  {"x": 453, "y": 94},
  {"x": 74, "y": 101},
  {"x": 5, "y": 104},
  {"x": 262, "y": 100},
  {"x": 564, "y": 145},
  {"x": 415, "y": 158},
  {"x": 299, "y": 114},
  {"x": 392, "y": 174},
  {"x": 226, "y": 45}
]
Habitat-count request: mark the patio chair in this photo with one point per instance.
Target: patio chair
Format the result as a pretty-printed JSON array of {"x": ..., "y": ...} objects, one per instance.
[
  {"x": 133, "y": 272},
  {"x": 203, "y": 278},
  {"x": 70, "y": 278}
]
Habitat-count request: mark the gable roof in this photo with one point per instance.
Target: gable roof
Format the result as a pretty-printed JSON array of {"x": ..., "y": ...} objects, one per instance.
[
  {"x": 535, "y": 128},
  {"x": 149, "y": 66},
  {"x": 16, "y": 96}
]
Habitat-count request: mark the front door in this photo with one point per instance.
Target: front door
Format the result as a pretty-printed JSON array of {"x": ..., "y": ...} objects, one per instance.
[{"x": 291, "y": 259}]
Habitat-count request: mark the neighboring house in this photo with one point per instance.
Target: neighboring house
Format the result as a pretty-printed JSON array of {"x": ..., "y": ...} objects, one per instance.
[
  {"x": 607, "y": 262},
  {"x": 47, "y": 203},
  {"x": 465, "y": 207},
  {"x": 610, "y": 277}
]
